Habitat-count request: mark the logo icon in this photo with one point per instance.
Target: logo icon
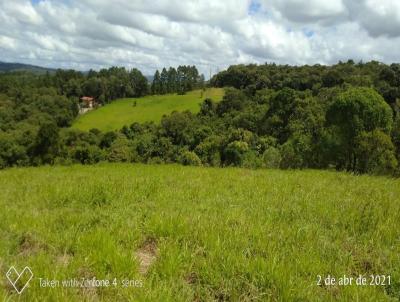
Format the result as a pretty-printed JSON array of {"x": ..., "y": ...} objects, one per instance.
[{"x": 19, "y": 280}]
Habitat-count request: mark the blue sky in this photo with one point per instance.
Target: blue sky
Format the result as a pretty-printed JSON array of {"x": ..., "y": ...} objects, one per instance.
[{"x": 254, "y": 7}]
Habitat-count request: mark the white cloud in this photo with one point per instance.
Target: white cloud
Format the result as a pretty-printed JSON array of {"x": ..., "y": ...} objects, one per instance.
[
  {"x": 7, "y": 43},
  {"x": 378, "y": 17},
  {"x": 148, "y": 35},
  {"x": 307, "y": 11},
  {"x": 23, "y": 11}
]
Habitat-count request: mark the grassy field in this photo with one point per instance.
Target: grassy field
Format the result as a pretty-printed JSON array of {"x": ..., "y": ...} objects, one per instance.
[
  {"x": 149, "y": 108},
  {"x": 172, "y": 233}
]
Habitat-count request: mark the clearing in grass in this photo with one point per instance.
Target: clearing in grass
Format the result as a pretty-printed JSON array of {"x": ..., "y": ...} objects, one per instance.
[{"x": 145, "y": 109}]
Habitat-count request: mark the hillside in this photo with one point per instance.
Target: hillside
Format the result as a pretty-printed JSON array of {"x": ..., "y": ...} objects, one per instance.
[
  {"x": 9, "y": 67},
  {"x": 149, "y": 108},
  {"x": 187, "y": 234}
]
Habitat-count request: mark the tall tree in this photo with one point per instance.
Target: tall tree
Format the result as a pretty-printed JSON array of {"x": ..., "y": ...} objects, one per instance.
[
  {"x": 138, "y": 83},
  {"x": 164, "y": 81},
  {"x": 355, "y": 111},
  {"x": 172, "y": 80},
  {"x": 156, "y": 86}
]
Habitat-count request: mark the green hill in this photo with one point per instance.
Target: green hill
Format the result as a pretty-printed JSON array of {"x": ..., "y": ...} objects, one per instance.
[
  {"x": 174, "y": 233},
  {"x": 149, "y": 108},
  {"x": 13, "y": 67}
]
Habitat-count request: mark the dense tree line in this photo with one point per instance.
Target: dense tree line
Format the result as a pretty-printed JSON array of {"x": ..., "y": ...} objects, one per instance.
[
  {"x": 33, "y": 108},
  {"x": 343, "y": 117},
  {"x": 383, "y": 78},
  {"x": 105, "y": 85},
  {"x": 180, "y": 80}
]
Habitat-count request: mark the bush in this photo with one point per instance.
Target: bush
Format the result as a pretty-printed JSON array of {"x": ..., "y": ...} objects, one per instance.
[
  {"x": 234, "y": 152},
  {"x": 189, "y": 158},
  {"x": 121, "y": 151},
  {"x": 209, "y": 150},
  {"x": 88, "y": 154},
  {"x": 272, "y": 158},
  {"x": 251, "y": 160},
  {"x": 353, "y": 112},
  {"x": 290, "y": 157},
  {"x": 11, "y": 153},
  {"x": 375, "y": 153}
]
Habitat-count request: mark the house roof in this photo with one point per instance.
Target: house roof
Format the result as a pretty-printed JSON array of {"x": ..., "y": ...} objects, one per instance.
[{"x": 87, "y": 98}]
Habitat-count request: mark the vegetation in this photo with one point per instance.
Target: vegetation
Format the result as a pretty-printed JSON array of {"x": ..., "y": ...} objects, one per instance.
[
  {"x": 196, "y": 233},
  {"x": 180, "y": 80},
  {"x": 344, "y": 116},
  {"x": 7, "y": 67},
  {"x": 145, "y": 109},
  {"x": 212, "y": 234}
]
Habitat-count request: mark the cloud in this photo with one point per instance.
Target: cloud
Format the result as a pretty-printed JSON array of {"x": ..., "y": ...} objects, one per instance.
[
  {"x": 378, "y": 17},
  {"x": 307, "y": 11},
  {"x": 210, "y": 34},
  {"x": 22, "y": 11},
  {"x": 208, "y": 11}
]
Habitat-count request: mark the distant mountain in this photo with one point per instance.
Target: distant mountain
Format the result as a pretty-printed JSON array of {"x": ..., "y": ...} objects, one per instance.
[{"x": 9, "y": 67}]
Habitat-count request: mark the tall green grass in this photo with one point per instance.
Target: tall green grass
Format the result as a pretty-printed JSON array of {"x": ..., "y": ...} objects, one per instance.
[
  {"x": 220, "y": 234},
  {"x": 149, "y": 108}
]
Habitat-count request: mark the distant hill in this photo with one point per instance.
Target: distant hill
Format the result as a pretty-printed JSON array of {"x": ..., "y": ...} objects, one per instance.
[{"x": 9, "y": 67}]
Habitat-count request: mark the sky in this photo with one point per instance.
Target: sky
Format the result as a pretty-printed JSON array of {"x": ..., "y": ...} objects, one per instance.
[{"x": 211, "y": 34}]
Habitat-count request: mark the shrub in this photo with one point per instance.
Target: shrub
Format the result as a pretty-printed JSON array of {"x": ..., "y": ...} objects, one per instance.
[
  {"x": 209, "y": 150},
  {"x": 291, "y": 159},
  {"x": 251, "y": 160},
  {"x": 272, "y": 158},
  {"x": 234, "y": 152},
  {"x": 88, "y": 154},
  {"x": 353, "y": 112},
  {"x": 189, "y": 158},
  {"x": 121, "y": 151},
  {"x": 375, "y": 153},
  {"x": 11, "y": 153}
]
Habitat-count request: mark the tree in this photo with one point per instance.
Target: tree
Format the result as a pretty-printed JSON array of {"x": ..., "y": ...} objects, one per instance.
[
  {"x": 332, "y": 78},
  {"x": 189, "y": 158},
  {"x": 208, "y": 108},
  {"x": 47, "y": 142},
  {"x": 164, "y": 81},
  {"x": 88, "y": 154},
  {"x": 121, "y": 151},
  {"x": 375, "y": 153},
  {"x": 156, "y": 86},
  {"x": 355, "y": 111},
  {"x": 138, "y": 82},
  {"x": 209, "y": 150},
  {"x": 93, "y": 87},
  {"x": 234, "y": 153},
  {"x": 172, "y": 80},
  {"x": 73, "y": 88},
  {"x": 272, "y": 158},
  {"x": 11, "y": 153},
  {"x": 281, "y": 108},
  {"x": 233, "y": 100},
  {"x": 179, "y": 127},
  {"x": 396, "y": 132}
]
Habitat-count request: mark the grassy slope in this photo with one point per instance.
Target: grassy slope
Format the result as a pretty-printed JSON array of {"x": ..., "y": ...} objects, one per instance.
[
  {"x": 150, "y": 108},
  {"x": 228, "y": 234}
]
